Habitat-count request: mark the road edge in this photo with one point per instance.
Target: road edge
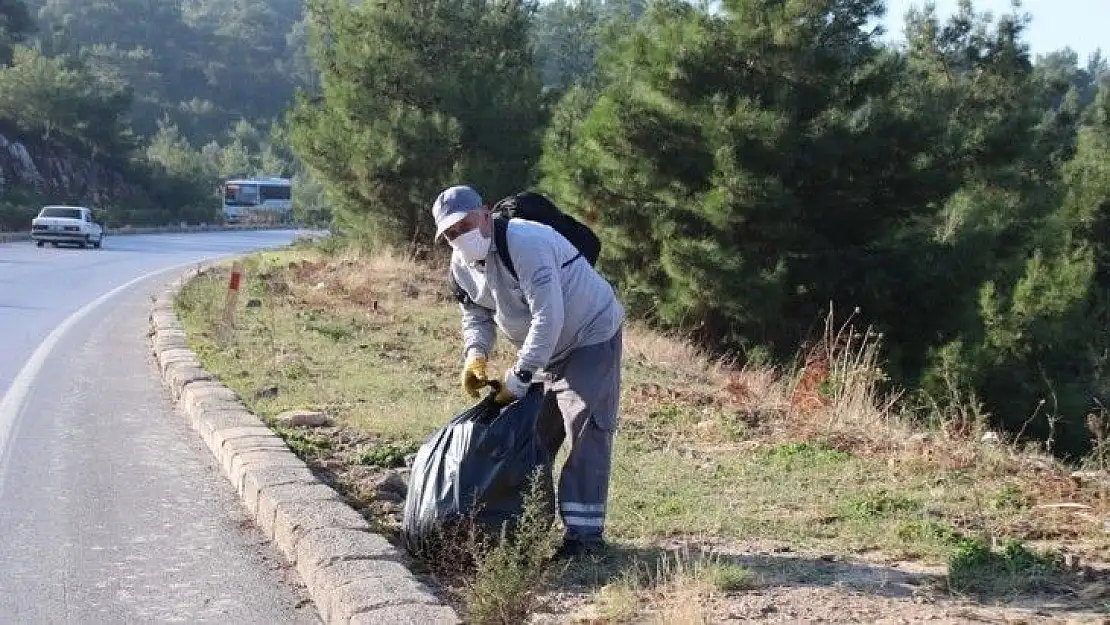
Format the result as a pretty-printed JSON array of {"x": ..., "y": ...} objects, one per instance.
[
  {"x": 17, "y": 237},
  {"x": 354, "y": 575}
]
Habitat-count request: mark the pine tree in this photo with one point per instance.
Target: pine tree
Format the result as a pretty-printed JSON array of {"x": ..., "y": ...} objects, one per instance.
[
  {"x": 760, "y": 161},
  {"x": 15, "y": 25},
  {"x": 417, "y": 95}
]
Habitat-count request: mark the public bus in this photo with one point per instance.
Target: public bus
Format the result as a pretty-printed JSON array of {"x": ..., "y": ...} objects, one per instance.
[{"x": 251, "y": 199}]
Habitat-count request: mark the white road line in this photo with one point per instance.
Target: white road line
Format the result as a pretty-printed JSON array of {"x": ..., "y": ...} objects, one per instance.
[{"x": 12, "y": 405}]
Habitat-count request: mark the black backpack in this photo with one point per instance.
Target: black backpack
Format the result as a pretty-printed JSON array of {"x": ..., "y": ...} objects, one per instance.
[{"x": 537, "y": 207}]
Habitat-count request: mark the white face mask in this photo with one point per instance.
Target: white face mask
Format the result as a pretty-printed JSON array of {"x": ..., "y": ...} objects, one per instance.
[{"x": 471, "y": 245}]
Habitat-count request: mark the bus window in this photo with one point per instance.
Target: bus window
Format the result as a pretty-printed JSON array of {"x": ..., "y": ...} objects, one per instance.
[
  {"x": 275, "y": 192},
  {"x": 241, "y": 195}
]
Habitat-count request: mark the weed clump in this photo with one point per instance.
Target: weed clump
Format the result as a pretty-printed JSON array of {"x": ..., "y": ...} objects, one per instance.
[
  {"x": 975, "y": 568},
  {"x": 388, "y": 455},
  {"x": 496, "y": 576},
  {"x": 511, "y": 572}
]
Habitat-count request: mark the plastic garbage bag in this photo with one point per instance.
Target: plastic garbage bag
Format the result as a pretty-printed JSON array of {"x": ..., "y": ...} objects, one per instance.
[{"x": 475, "y": 473}]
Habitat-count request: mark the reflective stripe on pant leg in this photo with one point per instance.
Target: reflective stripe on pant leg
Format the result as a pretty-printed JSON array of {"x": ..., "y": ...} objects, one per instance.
[
  {"x": 585, "y": 516},
  {"x": 584, "y": 483}
]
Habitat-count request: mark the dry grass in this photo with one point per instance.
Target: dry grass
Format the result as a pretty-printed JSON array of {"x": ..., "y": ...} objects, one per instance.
[
  {"x": 819, "y": 457},
  {"x": 688, "y": 587}
]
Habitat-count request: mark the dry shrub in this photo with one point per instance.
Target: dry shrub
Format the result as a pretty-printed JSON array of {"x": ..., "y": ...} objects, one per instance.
[
  {"x": 683, "y": 585},
  {"x": 840, "y": 396},
  {"x": 307, "y": 271},
  {"x": 378, "y": 282},
  {"x": 512, "y": 571},
  {"x": 384, "y": 275},
  {"x": 836, "y": 394},
  {"x": 656, "y": 393},
  {"x": 685, "y": 604},
  {"x": 757, "y": 390},
  {"x": 669, "y": 352},
  {"x": 619, "y": 600},
  {"x": 807, "y": 397}
]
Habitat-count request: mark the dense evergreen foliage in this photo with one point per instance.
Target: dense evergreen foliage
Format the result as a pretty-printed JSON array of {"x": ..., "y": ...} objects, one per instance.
[
  {"x": 750, "y": 166},
  {"x": 448, "y": 90},
  {"x": 172, "y": 95}
]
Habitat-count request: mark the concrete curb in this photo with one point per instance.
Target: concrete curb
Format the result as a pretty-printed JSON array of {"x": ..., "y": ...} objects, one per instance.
[{"x": 354, "y": 576}]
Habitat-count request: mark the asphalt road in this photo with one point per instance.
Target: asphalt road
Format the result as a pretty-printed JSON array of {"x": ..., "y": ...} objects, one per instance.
[{"x": 111, "y": 508}]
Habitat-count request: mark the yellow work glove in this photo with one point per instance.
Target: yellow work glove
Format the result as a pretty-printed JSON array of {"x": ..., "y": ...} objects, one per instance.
[{"x": 473, "y": 376}]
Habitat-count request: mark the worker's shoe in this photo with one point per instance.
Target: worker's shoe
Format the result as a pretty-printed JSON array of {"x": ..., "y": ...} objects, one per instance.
[{"x": 573, "y": 549}]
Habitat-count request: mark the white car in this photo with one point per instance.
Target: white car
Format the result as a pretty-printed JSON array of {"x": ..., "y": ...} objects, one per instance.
[{"x": 66, "y": 224}]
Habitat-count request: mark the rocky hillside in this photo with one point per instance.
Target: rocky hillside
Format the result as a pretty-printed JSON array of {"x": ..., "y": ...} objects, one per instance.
[
  {"x": 34, "y": 171},
  {"x": 137, "y": 122},
  {"x": 58, "y": 174}
]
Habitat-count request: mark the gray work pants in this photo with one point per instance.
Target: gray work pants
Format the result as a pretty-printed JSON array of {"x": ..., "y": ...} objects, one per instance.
[{"x": 582, "y": 395}]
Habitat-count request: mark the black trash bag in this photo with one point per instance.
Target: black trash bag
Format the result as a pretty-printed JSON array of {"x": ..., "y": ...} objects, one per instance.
[{"x": 475, "y": 474}]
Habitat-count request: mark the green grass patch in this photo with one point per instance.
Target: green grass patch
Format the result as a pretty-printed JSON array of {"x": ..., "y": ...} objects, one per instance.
[
  {"x": 388, "y": 374},
  {"x": 388, "y": 455},
  {"x": 1012, "y": 569},
  {"x": 391, "y": 370},
  {"x": 303, "y": 444},
  {"x": 376, "y": 343}
]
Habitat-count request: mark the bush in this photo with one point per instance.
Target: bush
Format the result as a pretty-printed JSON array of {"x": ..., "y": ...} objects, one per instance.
[
  {"x": 16, "y": 217},
  {"x": 512, "y": 571},
  {"x": 975, "y": 568}
]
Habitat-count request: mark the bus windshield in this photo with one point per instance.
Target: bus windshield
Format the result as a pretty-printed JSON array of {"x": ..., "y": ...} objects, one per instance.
[{"x": 241, "y": 195}]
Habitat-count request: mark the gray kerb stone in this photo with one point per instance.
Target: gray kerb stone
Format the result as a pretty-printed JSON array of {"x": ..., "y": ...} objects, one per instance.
[
  {"x": 234, "y": 464},
  {"x": 243, "y": 433},
  {"x": 271, "y": 500},
  {"x": 354, "y": 586},
  {"x": 164, "y": 319},
  {"x": 242, "y": 444},
  {"x": 329, "y": 545},
  {"x": 354, "y": 576},
  {"x": 169, "y": 339},
  {"x": 294, "y": 518},
  {"x": 407, "y": 615},
  {"x": 179, "y": 355},
  {"x": 180, "y": 375},
  {"x": 207, "y": 395},
  {"x": 253, "y": 482},
  {"x": 162, "y": 333},
  {"x": 234, "y": 448},
  {"x": 212, "y": 421}
]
